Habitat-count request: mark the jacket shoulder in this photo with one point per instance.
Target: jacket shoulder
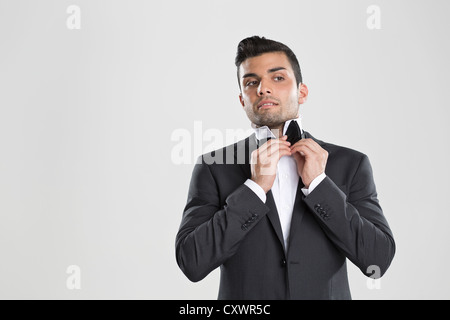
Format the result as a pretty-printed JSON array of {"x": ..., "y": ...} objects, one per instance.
[{"x": 337, "y": 150}]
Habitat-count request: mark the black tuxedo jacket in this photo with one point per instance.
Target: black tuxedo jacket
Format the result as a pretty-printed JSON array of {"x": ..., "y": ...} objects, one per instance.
[{"x": 226, "y": 225}]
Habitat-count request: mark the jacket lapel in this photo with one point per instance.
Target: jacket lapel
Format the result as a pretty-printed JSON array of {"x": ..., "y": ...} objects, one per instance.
[
  {"x": 298, "y": 212},
  {"x": 243, "y": 154},
  {"x": 247, "y": 147},
  {"x": 274, "y": 218},
  {"x": 299, "y": 205}
]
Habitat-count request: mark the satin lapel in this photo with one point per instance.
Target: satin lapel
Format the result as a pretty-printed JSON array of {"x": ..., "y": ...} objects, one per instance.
[
  {"x": 299, "y": 205},
  {"x": 298, "y": 212},
  {"x": 308, "y": 135},
  {"x": 243, "y": 152},
  {"x": 247, "y": 147},
  {"x": 274, "y": 218}
]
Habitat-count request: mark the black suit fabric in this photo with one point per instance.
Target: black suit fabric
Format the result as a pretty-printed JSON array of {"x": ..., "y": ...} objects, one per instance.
[{"x": 226, "y": 225}]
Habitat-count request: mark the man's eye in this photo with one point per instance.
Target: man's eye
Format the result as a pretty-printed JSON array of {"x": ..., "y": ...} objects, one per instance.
[
  {"x": 251, "y": 83},
  {"x": 279, "y": 78}
]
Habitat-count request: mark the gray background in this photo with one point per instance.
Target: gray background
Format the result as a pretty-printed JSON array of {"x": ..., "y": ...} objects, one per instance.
[{"x": 86, "y": 118}]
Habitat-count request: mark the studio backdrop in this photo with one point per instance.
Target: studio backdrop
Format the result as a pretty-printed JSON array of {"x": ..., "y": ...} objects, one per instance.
[{"x": 105, "y": 106}]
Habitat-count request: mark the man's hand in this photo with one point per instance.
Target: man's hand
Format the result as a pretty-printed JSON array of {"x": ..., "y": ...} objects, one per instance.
[
  {"x": 265, "y": 159},
  {"x": 311, "y": 159}
]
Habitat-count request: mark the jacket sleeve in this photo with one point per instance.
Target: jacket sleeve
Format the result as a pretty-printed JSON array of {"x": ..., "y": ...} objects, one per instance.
[
  {"x": 355, "y": 223},
  {"x": 210, "y": 233}
]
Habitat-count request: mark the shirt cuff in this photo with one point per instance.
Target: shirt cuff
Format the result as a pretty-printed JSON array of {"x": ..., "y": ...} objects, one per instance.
[
  {"x": 256, "y": 188},
  {"x": 314, "y": 184}
]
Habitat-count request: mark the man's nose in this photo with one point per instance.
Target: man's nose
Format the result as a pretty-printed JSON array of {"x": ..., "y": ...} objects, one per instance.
[{"x": 264, "y": 88}]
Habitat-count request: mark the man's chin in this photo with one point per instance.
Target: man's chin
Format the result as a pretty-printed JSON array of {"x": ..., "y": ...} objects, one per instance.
[{"x": 269, "y": 121}]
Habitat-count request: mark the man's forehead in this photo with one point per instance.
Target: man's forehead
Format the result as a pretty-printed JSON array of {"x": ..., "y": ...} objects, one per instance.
[{"x": 265, "y": 63}]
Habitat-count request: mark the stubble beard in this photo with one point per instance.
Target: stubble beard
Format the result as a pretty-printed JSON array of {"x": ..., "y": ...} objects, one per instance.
[{"x": 271, "y": 118}]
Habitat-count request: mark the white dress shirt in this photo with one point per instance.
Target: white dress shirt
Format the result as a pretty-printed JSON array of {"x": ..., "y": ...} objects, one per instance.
[{"x": 284, "y": 188}]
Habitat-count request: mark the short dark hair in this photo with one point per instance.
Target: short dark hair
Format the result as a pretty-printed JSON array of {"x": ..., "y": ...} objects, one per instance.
[{"x": 255, "y": 46}]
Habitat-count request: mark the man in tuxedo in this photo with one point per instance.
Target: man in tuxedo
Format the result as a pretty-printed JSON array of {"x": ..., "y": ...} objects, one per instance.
[{"x": 280, "y": 212}]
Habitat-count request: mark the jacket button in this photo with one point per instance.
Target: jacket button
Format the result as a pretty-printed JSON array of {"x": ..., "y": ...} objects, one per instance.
[
  {"x": 317, "y": 206},
  {"x": 283, "y": 262},
  {"x": 244, "y": 227}
]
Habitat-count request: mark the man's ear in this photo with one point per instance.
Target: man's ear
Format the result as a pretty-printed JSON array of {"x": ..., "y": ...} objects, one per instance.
[
  {"x": 302, "y": 93},
  {"x": 241, "y": 99}
]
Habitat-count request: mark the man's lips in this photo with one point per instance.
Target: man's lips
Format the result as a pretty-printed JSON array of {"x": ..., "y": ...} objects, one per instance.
[{"x": 265, "y": 104}]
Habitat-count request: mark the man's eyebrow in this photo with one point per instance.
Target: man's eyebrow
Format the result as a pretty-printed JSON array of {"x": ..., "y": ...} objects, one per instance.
[
  {"x": 276, "y": 69},
  {"x": 254, "y": 75},
  {"x": 247, "y": 75}
]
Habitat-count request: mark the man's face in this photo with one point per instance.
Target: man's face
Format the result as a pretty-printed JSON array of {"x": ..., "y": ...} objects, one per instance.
[{"x": 269, "y": 92}]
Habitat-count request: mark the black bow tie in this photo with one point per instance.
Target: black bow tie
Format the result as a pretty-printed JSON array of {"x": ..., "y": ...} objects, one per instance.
[{"x": 293, "y": 132}]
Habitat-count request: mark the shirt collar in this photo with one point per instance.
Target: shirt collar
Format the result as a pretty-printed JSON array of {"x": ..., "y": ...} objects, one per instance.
[{"x": 264, "y": 132}]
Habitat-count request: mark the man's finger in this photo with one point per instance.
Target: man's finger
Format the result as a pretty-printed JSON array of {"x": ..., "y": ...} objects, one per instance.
[
  {"x": 303, "y": 149},
  {"x": 283, "y": 152},
  {"x": 272, "y": 142},
  {"x": 310, "y": 143},
  {"x": 278, "y": 149}
]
